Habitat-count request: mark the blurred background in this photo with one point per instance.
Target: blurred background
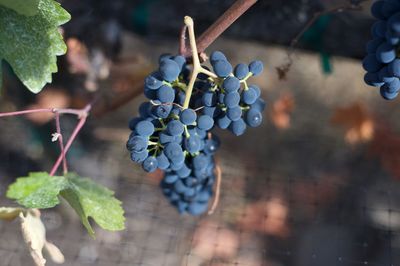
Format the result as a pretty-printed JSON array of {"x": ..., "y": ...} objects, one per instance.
[{"x": 316, "y": 185}]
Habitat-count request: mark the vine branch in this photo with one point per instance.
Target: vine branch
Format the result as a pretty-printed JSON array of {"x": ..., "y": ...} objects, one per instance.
[{"x": 218, "y": 27}]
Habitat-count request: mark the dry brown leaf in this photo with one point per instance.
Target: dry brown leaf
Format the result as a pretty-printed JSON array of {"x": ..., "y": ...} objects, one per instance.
[
  {"x": 267, "y": 216},
  {"x": 281, "y": 110},
  {"x": 358, "y": 123},
  {"x": 211, "y": 240}
]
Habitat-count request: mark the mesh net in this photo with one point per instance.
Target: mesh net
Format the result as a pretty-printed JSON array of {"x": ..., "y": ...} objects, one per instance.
[{"x": 297, "y": 191}]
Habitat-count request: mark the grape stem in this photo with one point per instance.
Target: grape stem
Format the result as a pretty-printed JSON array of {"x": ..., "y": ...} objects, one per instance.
[{"x": 197, "y": 68}]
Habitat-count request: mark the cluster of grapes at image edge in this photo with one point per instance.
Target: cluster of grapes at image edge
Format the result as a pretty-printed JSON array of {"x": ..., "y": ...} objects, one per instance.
[
  {"x": 178, "y": 140},
  {"x": 382, "y": 62}
]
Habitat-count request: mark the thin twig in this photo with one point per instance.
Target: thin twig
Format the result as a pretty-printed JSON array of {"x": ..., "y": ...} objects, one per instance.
[
  {"x": 77, "y": 112},
  {"x": 78, "y": 127},
  {"x": 217, "y": 190},
  {"x": 284, "y": 68},
  {"x": 61, "y": 142}
]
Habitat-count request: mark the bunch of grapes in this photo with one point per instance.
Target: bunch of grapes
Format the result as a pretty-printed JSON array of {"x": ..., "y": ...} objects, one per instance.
[
  {"x": 382, "y": 63},
  {"x": 173, "y": 130}
]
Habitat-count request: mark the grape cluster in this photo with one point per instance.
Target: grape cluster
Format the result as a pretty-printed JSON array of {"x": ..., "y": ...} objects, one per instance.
[
  {"x": 382, "y": 63},
  {"x": 172, "y": 132}
]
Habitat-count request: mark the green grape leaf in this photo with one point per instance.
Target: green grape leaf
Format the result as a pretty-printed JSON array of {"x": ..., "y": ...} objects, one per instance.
[
  {"x": 31, "y": 44},
  {"x": 38, "y": 190},
  {"x": 92, "y": 200},
  {"x": 88, "y": 199},
  {"x": 23, "y": 7}
]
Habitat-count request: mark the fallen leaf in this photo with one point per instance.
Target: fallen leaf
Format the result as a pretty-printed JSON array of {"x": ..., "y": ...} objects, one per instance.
[
  {"x": 281, "y": 110},
  {"x": 358, "y": 124}
]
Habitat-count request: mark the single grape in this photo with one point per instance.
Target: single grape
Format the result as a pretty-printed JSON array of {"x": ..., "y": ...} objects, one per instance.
[
  {"x": 173, "y": 151},
  {"x": 136, "y": 144},
  {"x": 153, "y": 81},
  {"x": 385, "y": 53},
  {"x": 192, "y": 143},
  {"x": 241, "y": 71},
  {"x": 166, "y": 94},
  {"x": 253, "y": 118},
  {"x": 162, "y": 161},
  {"x": 256, "y": 67},
  {"x": 175, "y": 128},
  {"x": 249, "y": 96},
  {"x": 234, "y": 113},
  {"x": 169, "y": 70},
  {"x": 371, "y": 64},
  {"x": 238, "y": 127},
  {"x": 232, "y": 99},
  {"x": 376, "y": 9},
  {"x": 150, "y": 164},
  {"x": 259, "y": 105},
  {"x": 188, "y": 116},
  {"x": 224, "y": 122},
  {"x": 231, "y": 84},
  {"x": 205, "y": 122},
  {"x": 388, "y": 95},
  {"x": 144, "y": 128},
  {"x": 217, "y": 55},
  {"x": 222, "y": 68}
]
